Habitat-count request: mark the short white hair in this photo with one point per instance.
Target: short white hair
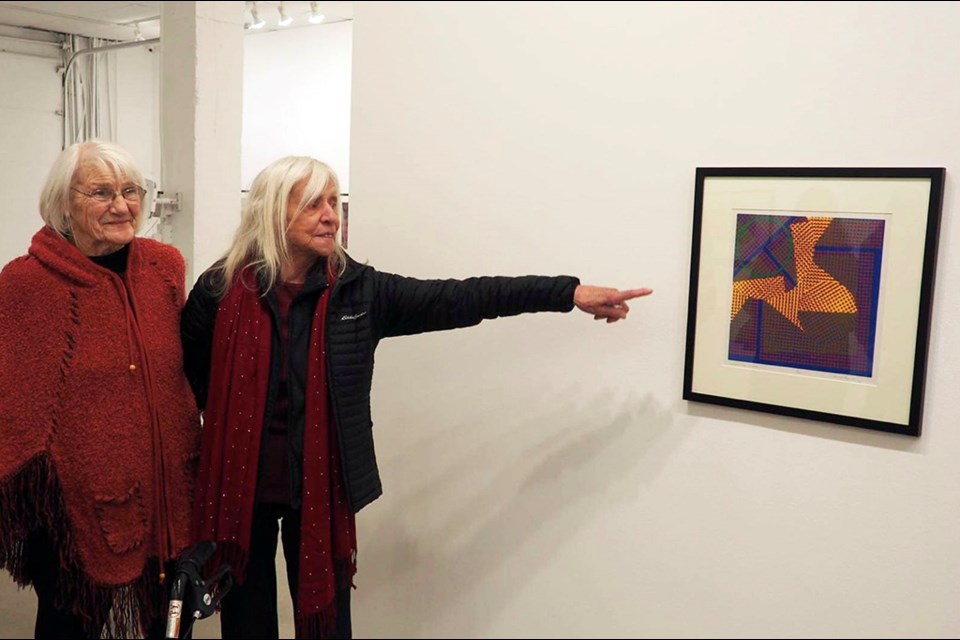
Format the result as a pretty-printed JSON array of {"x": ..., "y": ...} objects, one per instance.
[{"x": 55, "y": 197}]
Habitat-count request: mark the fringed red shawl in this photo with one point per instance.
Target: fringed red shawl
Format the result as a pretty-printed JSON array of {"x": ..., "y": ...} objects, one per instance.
[{"x": 99, "y": 433}]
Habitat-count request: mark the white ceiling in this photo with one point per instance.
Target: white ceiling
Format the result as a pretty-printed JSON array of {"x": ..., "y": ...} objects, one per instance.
[{"x": 119, "y": 20}]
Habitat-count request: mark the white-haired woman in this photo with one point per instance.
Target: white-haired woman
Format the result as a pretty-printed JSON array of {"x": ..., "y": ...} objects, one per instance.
[
  {"x": 279, "y": 338},
  {"x": 99, "y": 432}
]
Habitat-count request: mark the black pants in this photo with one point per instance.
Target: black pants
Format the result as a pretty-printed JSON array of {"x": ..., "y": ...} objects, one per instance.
[
  {"x": 54, "y": 623},
  {"x": 250, "y": 610}
]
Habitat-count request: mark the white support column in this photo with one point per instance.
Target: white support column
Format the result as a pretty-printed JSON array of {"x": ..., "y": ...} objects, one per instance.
[{"x": 201, "y": 102}]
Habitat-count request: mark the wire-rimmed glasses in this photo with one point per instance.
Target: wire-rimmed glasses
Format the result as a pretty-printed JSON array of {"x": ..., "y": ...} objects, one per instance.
[{"x": 132, "y": 194}]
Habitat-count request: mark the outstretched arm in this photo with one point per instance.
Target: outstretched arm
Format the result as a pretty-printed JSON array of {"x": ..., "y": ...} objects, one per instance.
[
  {"x": 408, "y": 305},
  {"x": 605, "y": 302}
]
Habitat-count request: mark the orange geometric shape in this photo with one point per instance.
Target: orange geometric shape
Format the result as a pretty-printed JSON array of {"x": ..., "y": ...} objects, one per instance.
[{"x": 815, "y": 290}]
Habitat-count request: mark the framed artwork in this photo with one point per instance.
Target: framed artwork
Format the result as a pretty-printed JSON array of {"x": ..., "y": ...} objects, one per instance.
[{"x": 811, "y": 291}]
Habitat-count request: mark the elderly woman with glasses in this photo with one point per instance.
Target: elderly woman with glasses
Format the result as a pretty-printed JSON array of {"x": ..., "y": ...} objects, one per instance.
[{"x": 99, "y": 431}]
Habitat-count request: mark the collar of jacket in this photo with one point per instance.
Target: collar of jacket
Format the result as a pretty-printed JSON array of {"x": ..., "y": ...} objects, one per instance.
[
  {"x": 317, "y": 276},
  {"x": 353, "y": 270}
]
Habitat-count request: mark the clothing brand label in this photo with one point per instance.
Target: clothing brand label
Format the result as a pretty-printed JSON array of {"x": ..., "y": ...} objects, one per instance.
[{"x": 354, "y": 316}]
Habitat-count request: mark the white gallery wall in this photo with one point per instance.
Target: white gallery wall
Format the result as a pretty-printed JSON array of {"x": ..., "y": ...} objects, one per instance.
[
  {"x": 30, "y": 138},
  {"x": 543, "y": 477},
  {"x": 138, "y": 105},
  {"x": 296, "y": 98},
  {"x": 31, "y": 130}
]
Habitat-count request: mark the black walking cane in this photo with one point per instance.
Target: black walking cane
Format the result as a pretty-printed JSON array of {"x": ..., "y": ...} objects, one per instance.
[{"x": 192, "y": 593}]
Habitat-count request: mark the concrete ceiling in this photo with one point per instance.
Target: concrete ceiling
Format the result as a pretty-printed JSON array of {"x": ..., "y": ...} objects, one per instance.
[{"x": 119, "y": 20}]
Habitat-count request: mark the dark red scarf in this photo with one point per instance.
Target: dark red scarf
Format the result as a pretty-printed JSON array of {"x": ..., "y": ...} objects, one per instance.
[{"x": 233, "y": 425}]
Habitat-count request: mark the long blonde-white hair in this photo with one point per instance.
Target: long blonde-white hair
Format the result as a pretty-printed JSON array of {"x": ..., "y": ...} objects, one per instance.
[{"x": 261, "y": 239}]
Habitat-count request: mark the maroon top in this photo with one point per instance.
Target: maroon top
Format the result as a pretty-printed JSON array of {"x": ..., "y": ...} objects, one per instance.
[{"x": 273, "y": 484}]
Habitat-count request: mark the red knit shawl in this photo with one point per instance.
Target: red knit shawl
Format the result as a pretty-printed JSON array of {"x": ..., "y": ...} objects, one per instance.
[
  {"x": 233, "y": 425},
  {"x": 88, "y": 446}
]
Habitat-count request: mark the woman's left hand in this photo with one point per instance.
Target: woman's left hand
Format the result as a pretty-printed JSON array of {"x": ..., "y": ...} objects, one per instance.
[{"x": 605, "y": 302}]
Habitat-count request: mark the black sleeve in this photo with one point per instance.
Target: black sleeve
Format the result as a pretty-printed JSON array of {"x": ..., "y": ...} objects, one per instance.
[
  {"x": 196, "y": 334},
  {"x": 409, "y": 305}
]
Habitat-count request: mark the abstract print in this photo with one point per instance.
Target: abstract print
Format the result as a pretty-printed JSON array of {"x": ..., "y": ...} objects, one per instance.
[{"x": 805, "y": 292}]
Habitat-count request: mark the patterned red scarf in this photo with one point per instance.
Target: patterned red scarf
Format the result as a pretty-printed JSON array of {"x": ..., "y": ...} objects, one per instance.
[{"x": 233, "y": 425}]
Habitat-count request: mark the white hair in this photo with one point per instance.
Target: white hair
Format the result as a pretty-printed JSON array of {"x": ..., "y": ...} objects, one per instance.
[{"x": 55, "y": 197}]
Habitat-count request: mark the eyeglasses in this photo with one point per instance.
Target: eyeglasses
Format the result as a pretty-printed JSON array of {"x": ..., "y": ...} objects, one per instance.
[{"x": 130, "y": 194}]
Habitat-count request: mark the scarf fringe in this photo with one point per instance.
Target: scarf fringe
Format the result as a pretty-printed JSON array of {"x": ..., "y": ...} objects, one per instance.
[
  {"x": 31, "y": 499},
  {"x": 323, "y": 624},
  {"x": 319, "y": 625}
]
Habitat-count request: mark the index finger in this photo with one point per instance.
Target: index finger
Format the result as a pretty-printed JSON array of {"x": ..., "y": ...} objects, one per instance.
[{"x": 630, "y": 294}]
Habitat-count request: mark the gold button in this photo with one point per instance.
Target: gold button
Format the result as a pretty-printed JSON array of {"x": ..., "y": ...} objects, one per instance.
[{"x": 133, "y": 367}]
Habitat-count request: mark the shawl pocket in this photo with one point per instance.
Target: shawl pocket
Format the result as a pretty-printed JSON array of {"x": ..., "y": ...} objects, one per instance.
[{"x": 123, "y": 520}]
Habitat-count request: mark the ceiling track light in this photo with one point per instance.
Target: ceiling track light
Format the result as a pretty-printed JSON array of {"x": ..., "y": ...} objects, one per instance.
[
  {"x": 315, "y": 16},
  {"x": 284, "y": 20},
  {"x": 256, "y": 21}
]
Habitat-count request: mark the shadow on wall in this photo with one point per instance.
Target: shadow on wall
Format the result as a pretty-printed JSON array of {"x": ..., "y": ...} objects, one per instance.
[{"x": 569, "y": 477}]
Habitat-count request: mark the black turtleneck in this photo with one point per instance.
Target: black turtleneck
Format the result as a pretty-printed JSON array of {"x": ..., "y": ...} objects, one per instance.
[{"x": 116, "y": 261}]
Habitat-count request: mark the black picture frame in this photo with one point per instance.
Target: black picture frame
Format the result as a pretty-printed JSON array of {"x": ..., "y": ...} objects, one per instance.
[{"x": 811, "y": 290}]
